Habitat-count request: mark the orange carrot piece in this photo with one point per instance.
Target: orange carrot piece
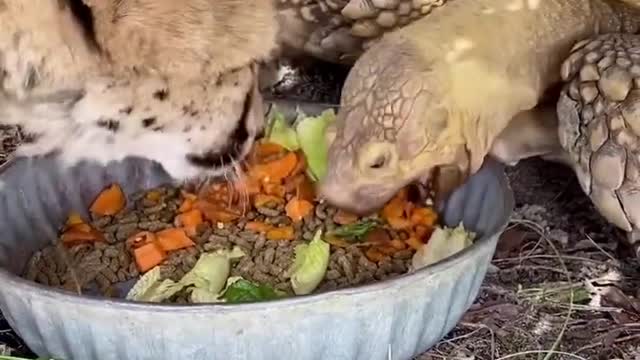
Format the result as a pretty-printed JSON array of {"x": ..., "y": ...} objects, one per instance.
[
  {"x": 141, "y": 238},
  {"x": 190, "y": 219},
  {"x": 414, "y": 243},
  {"x": 386, "y": 249},
  {"x": 83, "y": 227},
  {"x": 374, "y": 255},
  {"x": 74, "y": 219},
  {"x": 377, "y": 236},
  {"x": 274, "y": 189},
  {"x": 301, "y": 187},
  {"x": 260, "y": 200},
  {"x": 109, "y": 202},
  {"x": 423, "y": 216},
  {"x": 422, "y": 232},
  {"x": 297, "y": 209},
  {"x": 173, "y": 239},
  {"x": 248, "y": 185},
  {"x": 399, "y": 223},
  {"x": 301, "y": 166},
  {"x": 257, "y": 226},
  {"x": 149, "y": 256},
  {"x": 263, "y": 150},
  {"x": 281, "y": 233},
  {"x": 398, "y": 244},
  {"x": 188, "y": 196},
  {"x": 216, "y": 213},
  {"x": 187, "y": 205},
  {"x": 75, "y": 236},
  {"x": 344, "y": 218},
  {"x": 276, "y": 170}
]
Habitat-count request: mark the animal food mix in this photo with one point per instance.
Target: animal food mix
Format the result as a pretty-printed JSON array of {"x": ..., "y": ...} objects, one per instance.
[{"x": 262, "y": 237}]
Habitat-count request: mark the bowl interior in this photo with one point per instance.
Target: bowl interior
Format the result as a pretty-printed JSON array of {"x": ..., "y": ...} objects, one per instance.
[{"x": 37, "y": 194}]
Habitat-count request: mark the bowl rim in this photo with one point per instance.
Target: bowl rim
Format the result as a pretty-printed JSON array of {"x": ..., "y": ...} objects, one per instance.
[{"x": 9, "y": 279}]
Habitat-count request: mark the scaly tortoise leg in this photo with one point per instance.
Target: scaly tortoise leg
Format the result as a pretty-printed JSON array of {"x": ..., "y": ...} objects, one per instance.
[
  {"x": 530, "y": 133},
  {"x": 599, "y": 125},
  {"x": 339, "y": 31}
]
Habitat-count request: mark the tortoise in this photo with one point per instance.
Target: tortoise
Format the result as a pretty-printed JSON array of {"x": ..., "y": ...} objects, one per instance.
[{"x": 433, "y": 86}]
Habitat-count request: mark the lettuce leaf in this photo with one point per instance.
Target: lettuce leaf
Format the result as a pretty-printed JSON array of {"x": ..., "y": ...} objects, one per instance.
[
  {"x": 310, "y": 265},
  {"x": 312, "y": 140},
  {"x": 443, "y": 243}
]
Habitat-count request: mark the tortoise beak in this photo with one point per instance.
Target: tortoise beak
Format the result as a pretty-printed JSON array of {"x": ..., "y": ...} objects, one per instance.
[{"x": 446, "y": 179}]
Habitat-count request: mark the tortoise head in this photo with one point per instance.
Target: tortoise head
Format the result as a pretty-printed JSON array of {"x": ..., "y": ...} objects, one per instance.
[{"x": 394, "y": 127}]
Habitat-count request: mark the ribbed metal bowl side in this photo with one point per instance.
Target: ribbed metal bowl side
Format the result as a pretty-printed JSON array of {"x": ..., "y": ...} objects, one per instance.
[{"x": 399, "y": 318}]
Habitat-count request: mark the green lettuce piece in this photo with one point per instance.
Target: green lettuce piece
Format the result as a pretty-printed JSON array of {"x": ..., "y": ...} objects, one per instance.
[
  {"x": 149, "y": 288},
  {"x": 242, "y": 291},
  {"x": 205, "y": 280},
  {"x": 310, "y": 265},
  {"x": 311, "y": 137},
  {"x": 212, "y": 270},
  {"x": 281, "y": 133},
  {"x": 443, "y": 243},
  {"x": 355, "y": 231}
]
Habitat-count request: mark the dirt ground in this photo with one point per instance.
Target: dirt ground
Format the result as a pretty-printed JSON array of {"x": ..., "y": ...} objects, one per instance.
[{"x": 561, "y": 285}]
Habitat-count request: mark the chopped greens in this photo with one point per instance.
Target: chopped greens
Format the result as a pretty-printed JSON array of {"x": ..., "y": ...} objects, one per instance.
[
  {"x": 355, "y": 231},
  {"x": 312, "y": 140},
  {"x": 310, "y": 265},
  {"x": 242, "y": 291},
  {"x": 281, "y": 133},
  {"x": 443, "y": 243}
]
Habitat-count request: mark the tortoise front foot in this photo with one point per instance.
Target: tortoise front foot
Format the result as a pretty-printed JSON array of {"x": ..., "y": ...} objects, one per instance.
[
  {"x": 599, "y": 124},
  {"x": 339, "y": 31}
]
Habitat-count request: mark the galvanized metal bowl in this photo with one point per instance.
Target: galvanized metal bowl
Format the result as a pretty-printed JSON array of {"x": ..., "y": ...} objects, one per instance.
[{"x": 393, "y": 319}]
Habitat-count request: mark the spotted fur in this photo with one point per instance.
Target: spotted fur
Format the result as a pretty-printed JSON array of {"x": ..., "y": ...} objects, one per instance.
[{"x": 80, "y": 92}]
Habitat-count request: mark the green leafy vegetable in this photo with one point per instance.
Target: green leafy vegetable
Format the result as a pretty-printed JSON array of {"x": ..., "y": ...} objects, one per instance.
[
  {"x": 311, "y": 137},
  {"x": 242, "y": 291},
  {"x": 281, "y": 133},
  {"x": 443, "y": 243},
  {"x": 310, "y": 265},
  {"x": 355, "y": 231},
  {"x": 149, "y": 288},
  {"x": 205, "y": 280},
  {"x": 210, "y": 273}
]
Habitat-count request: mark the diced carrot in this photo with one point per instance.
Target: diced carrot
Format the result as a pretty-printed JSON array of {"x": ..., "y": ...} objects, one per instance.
[
  {"x": 344, "y": 218},
  {"x": 109, "y": 202},
  {"x": 423, "y": 216},
  {"x": 274, "y": 189},
  {"x": 414, "y": 243},
  {"x": 374, "y": 255},
  {"x": 422, "y": 232},
  {"x": 386, "y": 249},
  {"x": 276, "y": 170},
  {"x": 398, "y": 244},
  {"x": 301, "y": 187},
  {"x": 173, "y": 239},
  {"x": 75, "y": 236},
  {"x": 399, "y": 223},
  {"x": 74, "y": 219},
  {"x": 190, "y": 219},
  {"x": 217, "y": 213},
  {"x": 264, "y": 149},
  {"x": 83, "y": 227},
  {"x": 153, "y": 195},
  {"x": 281, "y": 233},
  {"x": 301, "y": 166},
  {"x": 257, "y": 226},
  {"x": 248, "y": 186},
  {"x": 141, "y": 238},
  {"x": 297, "y": 209},
  {"x": 188, "y": 196},
  {"x": 261, "y": 200},
  {"x": 377, "y": 236},
  {"x": 187, "y": 205},
  {"x": 149, "y": 256},
  {"x": 394, "y": 208}
]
